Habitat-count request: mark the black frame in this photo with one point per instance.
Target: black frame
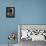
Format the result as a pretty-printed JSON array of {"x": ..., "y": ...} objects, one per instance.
[{"x": 10, "y": 10}]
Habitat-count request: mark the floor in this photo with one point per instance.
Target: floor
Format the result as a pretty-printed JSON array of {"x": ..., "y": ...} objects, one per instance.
[
  {"x": 30, "y": 43},
  {"x": 7, "y": 45}
]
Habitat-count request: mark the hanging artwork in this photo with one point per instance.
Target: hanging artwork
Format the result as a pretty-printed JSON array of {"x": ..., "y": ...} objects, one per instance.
[{"x": 10, "y": 11}]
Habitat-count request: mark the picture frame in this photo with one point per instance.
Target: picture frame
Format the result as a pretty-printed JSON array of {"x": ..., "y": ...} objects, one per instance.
[{"x": 10, "y": 12}]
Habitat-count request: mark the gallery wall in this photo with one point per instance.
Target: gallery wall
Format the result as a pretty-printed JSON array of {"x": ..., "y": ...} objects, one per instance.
[{"x": 26, "y": 12}]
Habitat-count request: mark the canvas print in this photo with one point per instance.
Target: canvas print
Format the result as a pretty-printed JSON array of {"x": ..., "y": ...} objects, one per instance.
[
  {"x": 10, "y": 11},
  {"x": 33, "y": 32}
]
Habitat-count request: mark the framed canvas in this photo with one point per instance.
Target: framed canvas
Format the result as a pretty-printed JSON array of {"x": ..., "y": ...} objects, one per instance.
[
  {"x": 33, "y": 32},
  {"x": 10, "y": 12}
]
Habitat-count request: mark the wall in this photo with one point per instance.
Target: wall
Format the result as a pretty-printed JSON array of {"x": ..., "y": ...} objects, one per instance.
[{"x": 27, "y": 12}]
